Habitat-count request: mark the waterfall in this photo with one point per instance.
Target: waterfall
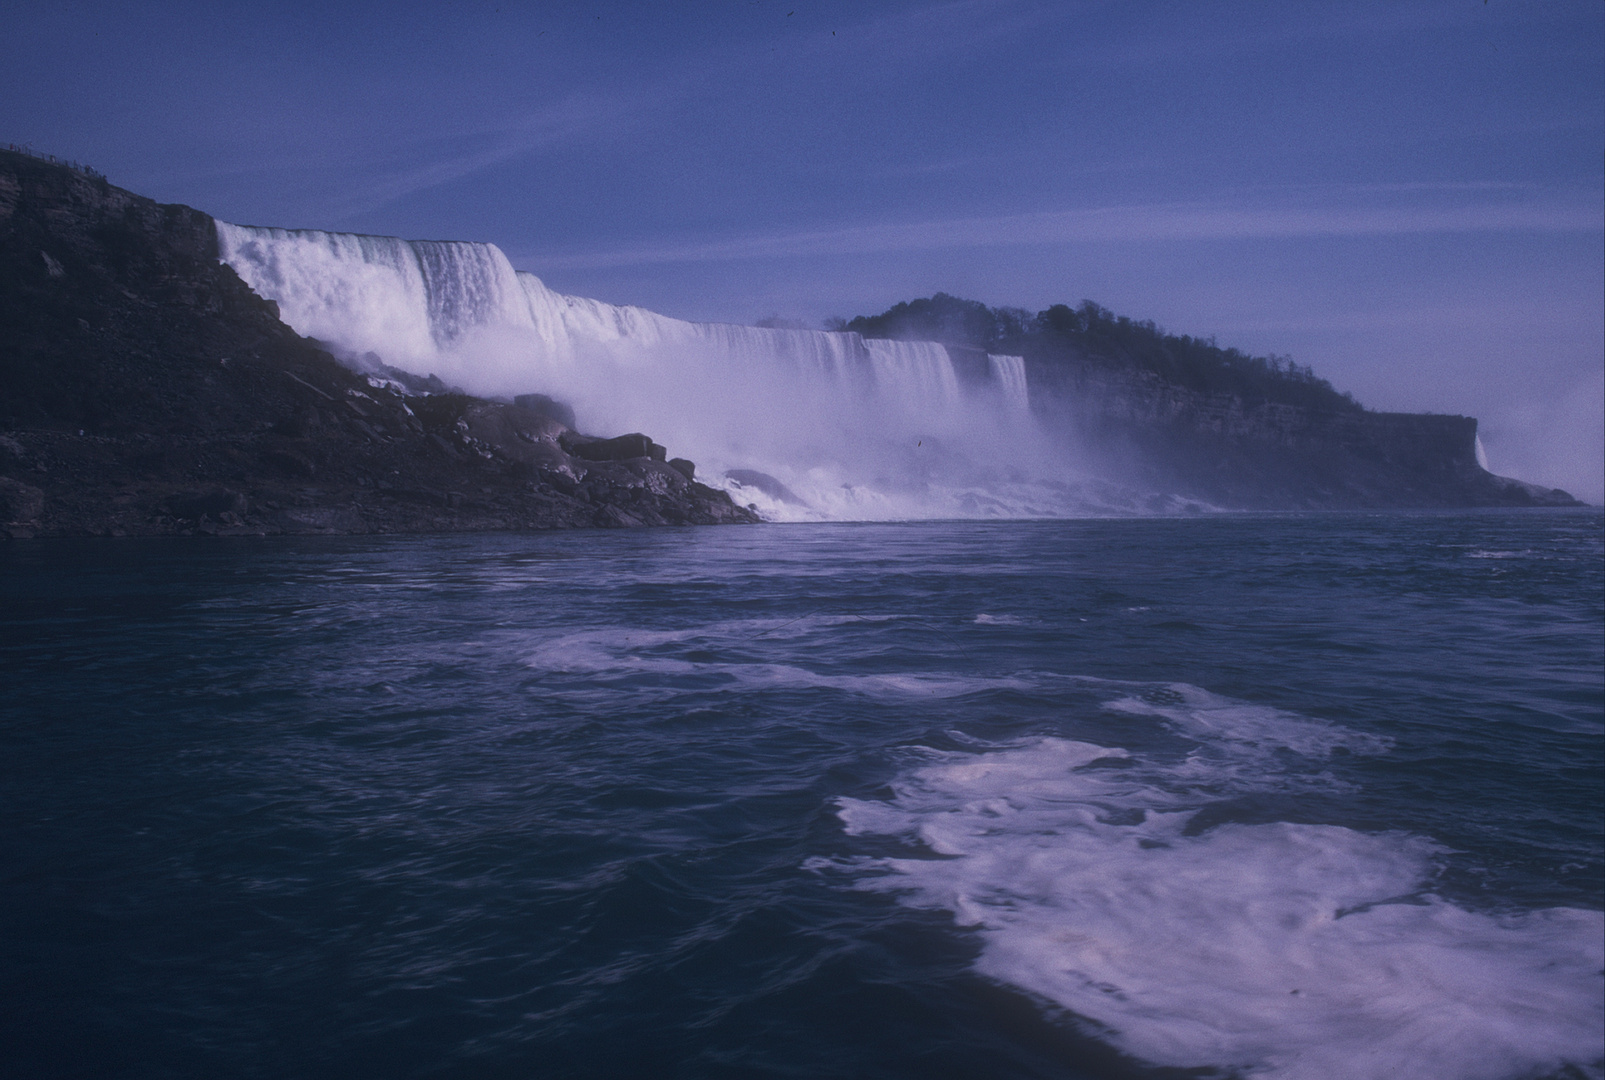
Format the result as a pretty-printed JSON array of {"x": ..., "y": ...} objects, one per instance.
[
  {"x": 1009, "y": 373},
  {"x": 363, "y": 293},
  {"x": 857, "y": 428},
  {"x": 914, "y": 374}
]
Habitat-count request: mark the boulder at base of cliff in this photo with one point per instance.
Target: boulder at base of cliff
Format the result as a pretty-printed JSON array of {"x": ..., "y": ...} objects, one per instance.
[
  {"x": 541, "y": 405},
  {"x": 621, "y": 448}
]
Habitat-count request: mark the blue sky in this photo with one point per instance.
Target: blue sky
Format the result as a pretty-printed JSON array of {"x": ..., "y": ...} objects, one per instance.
[{"x": 1407, "y": 197}]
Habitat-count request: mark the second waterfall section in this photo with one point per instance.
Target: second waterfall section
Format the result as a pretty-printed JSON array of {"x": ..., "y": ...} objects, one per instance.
[{"x": 852, "y": 428}]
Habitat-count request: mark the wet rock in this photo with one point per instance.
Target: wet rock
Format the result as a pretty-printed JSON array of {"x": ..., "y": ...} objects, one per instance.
[
  {"x": 18, "y": 501},
  {"x": 614, "y": 517},
  {"x": 541, "y": 405},
  {"x": 290, "y": 462},
  {"x": 321, "y": 519},
  {"x": 195, "y": 505},
  {"x": 11, "y": 451},
  {"x": 620, "y": 448}
]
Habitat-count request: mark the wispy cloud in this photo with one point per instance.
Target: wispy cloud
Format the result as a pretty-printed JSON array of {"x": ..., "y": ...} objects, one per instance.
[
  {"x": 521, "y": 134},
  {"x": 1171, "y": 221},
  {"x": 347, "y": 168},
  {"x": 1222, "y": 32},
  {"x": 418, "y": 165}
]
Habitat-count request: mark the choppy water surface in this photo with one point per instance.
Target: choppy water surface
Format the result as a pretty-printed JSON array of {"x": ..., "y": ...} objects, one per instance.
[{"x": 1309, "y": 796}]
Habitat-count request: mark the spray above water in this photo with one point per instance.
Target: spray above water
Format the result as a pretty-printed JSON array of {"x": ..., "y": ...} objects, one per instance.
[{"x": 856, "y": 428}]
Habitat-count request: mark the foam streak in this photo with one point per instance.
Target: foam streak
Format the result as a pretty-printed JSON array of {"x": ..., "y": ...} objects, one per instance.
[{"x": 1293, "y": 951}]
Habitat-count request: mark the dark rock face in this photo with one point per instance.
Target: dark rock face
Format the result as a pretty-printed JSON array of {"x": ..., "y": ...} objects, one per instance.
[
  {"x": 621, "y": 448},
  {"x": 545, "y": 406},
  {"x": 1268, "y": 455},
  {"x": 145, "y": 390},
  {"x": 197, "y": 505},
  {"x": 19, "y": 502},
  {"x": 1180, "y": 415}
]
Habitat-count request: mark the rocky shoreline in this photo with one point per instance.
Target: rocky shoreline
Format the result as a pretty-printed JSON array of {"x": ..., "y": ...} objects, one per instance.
[{"x": 146, "y": 391}]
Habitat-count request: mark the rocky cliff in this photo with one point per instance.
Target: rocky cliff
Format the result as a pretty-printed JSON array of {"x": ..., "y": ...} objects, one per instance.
[
  {"x": 1232, "y": 450},
  {"x": 144, "y": 389},
  {"x": 1181, "y": 415}
]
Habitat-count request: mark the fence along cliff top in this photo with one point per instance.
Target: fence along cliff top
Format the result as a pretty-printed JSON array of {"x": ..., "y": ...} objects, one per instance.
[{"x": 22, "y": 148}]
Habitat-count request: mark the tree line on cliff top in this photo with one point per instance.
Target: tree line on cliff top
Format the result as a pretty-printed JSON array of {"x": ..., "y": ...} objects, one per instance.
[{"x": 1063, "y": 334}]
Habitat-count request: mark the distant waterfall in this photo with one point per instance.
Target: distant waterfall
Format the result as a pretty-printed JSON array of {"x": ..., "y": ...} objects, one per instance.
[
  {"x": 1009, "y": 373},
  {"x": 856, "y": 428}
]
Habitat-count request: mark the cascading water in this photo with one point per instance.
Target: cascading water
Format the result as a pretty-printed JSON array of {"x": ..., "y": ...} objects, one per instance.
[
  {"x": 917, "y": 375},
  {"x": 1009, "y": 373},
  {"x": 857, "y": 429}
]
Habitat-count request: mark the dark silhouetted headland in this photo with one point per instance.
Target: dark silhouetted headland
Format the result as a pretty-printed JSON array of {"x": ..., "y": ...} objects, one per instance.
[
  {"x": 146, "y": 390},
  {"x": 1183, "y": 414}
]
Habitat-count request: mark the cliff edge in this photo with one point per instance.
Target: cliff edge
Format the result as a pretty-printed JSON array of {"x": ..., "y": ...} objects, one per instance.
[
  {"x": 1246, "y": 452},
  {"x": 1163, "y": 412},
  {"x": 146, "y": 390}
]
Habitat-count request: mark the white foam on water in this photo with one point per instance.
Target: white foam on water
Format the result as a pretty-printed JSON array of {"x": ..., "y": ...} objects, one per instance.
[
  {"x": 1240, "y": 733},
  {"x": 1287, "y": 951},
  {"x": 623, "y": 653}
]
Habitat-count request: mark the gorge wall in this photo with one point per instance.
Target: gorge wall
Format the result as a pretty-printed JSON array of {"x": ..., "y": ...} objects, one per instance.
[
  {"x": 1223, "y": 449},
  {"x": 860, "y": 425},
  {"x": 156, "y": 361}
]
